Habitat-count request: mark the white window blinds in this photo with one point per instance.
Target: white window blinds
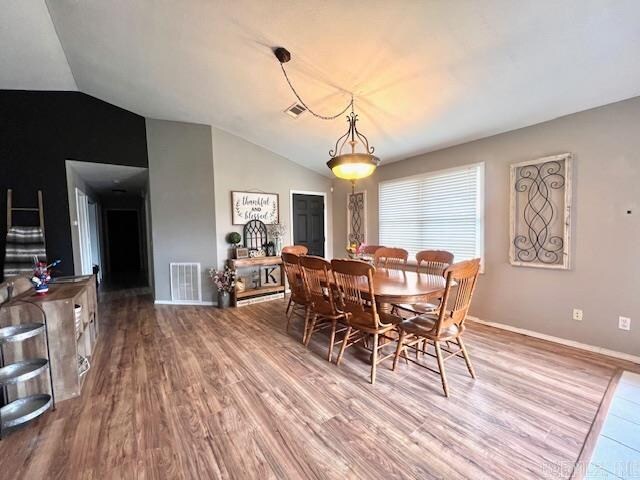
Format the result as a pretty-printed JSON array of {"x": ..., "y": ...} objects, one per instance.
[{"x": 440, "y": 210}]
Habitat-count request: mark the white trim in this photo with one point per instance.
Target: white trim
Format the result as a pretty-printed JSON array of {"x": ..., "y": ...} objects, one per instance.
[
  {"x": 561, "y": 341},
  {"x": 183, "y": 304},
  {"x": 324, "y": 201}
]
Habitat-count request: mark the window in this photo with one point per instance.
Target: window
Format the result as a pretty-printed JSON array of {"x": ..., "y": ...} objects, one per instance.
[{"x": 440, "y": 210}]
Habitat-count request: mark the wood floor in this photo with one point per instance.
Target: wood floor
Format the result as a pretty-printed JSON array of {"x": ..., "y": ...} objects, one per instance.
[{"x": 186, "y": 392}]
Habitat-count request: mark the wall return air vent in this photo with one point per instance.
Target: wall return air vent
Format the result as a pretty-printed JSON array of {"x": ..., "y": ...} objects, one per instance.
[
  {"x": 185, "y": 283},
  {"x": 295, "y": 110}
]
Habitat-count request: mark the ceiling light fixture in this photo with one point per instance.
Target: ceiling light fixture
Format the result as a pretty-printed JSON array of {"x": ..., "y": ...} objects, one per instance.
[{"x": 352, "y": 158}]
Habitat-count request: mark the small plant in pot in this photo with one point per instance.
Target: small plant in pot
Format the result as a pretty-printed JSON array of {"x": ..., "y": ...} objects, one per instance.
[{"x": 225, "y": 283}]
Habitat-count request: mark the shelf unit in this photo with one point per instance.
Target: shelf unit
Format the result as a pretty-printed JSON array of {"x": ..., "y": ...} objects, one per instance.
[
  {"x": 267, "y": 291},
  {"x": 23, "y": 409},
  {"x": 66, "y": 338}
]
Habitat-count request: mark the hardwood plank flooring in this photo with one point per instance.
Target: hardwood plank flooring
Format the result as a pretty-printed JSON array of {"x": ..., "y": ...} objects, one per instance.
[{"x": 196, "y": 392}]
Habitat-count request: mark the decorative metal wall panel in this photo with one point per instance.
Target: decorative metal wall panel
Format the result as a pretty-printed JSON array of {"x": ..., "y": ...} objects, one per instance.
[
  {"x": 357, "y": 217},
  {"x": 541, "y": 212}
]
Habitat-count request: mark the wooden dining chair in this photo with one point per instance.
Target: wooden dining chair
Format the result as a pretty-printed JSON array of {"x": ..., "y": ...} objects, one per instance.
[
  {"x": 371, "y": 249},
  {"x": 386, "y": 257},
  {"x": 356, "y": 299},
  {"x": 320, "y": 287},
  {"x": 298, "y": 298},
  {"x": 297, "y": 249},
  {"x": 448, "y": 325},
  {"x": 432, "y": 262}
]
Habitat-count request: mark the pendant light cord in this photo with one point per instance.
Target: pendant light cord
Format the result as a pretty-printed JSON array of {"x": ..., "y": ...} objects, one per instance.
[{"x": 323, "y": 117}]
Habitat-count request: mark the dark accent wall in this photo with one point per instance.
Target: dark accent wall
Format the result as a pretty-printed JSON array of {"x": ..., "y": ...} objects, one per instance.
[{"x": 39, "y": 131}]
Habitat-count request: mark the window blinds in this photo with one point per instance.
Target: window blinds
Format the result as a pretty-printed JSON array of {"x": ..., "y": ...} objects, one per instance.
[{"x": 437, "y": 211}]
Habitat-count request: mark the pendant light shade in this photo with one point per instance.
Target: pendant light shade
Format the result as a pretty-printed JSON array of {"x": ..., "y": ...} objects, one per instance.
[{"x": 355, "y": 164}]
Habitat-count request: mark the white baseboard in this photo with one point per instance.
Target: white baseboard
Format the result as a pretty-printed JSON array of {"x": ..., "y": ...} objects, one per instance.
[
  {"x": 561, "y": 341},
  {"x": 184, "y": 304}
]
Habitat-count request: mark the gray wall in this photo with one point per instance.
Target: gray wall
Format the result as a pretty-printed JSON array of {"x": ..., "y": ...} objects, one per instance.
[
  {"x": 605, "y": 276},
  {"x": 181, "y": 188},
  {"x": 241, "y": 165}
]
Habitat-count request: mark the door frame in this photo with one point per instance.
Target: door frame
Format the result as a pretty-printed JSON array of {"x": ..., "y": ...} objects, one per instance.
[
  {"x": 84, "y": 232},
  {"x": 324, "y": 208}
]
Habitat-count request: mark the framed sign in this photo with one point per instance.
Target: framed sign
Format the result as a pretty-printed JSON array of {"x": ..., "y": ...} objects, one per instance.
[
  {"x": 247, "y": 206},
  {"x": 541, "y": 213}
]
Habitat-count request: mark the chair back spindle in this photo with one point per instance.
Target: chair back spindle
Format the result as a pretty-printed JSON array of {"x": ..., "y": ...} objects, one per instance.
[
  {"x": 461, "y": 278},
  {"x": 433, "y": 262},
  {"x": 317, "y": 278},
  {"x": 354, "y": 282},
  {"x": 291, "y": 263},
  {"x": 386, "y": 257}
]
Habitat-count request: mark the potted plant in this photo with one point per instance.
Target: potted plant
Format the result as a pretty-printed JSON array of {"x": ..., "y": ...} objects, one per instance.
[
  {"x": 225, "y": 283},
  {"x": 234, "y": 238}
]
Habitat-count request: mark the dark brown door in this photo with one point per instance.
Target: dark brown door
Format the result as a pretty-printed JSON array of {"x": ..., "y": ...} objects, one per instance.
[{"x": 308, "y": 222}]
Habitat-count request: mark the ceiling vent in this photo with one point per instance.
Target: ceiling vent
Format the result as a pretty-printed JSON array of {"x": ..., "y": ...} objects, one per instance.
[{"x": 295, "y": 110}]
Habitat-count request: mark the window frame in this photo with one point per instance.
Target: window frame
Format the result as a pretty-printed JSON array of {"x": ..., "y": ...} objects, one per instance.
[{"x": 480, "y": 200}]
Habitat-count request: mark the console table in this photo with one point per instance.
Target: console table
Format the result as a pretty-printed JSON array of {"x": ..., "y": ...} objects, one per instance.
[
  {"x": 263, "y": 291},
  {"x": 67, "y": 338}
]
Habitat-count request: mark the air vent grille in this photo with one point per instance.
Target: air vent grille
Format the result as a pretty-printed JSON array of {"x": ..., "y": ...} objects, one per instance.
[
  {"x": 185, "y": 283},
  {"x": 295, "y": 110}
]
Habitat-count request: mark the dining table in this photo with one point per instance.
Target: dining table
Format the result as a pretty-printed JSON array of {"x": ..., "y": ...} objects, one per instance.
[{"x": 397, "y": 286}]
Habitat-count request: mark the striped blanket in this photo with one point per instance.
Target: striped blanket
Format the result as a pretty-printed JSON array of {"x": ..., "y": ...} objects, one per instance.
[{"x": 22, "y": 244}]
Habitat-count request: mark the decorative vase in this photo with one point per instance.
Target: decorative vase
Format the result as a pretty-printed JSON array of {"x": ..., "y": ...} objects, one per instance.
[{"x": 224, "y": 299}]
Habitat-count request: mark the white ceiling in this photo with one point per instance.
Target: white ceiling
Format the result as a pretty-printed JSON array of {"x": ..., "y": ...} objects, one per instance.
[
  {"x": 31, "y": 57},
  {"x": 104, "y": 178},
  {"x": 426, "y": 74}
]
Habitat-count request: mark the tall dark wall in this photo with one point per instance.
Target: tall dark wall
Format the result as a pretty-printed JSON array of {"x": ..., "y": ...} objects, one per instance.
[{"x": 39, "y": 131}]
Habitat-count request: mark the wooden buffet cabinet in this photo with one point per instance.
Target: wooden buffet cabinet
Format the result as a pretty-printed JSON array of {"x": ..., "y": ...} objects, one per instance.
[
  {"x": 261, "y": 292},
  {"x": 67, "y": 338}
]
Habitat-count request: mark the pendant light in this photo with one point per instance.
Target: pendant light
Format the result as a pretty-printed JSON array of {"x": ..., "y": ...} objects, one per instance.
[{"x": 352, "y": 158}]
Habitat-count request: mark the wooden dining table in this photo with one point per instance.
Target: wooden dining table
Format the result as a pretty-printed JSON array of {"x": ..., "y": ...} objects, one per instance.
[{"x": 394, "y": 286}]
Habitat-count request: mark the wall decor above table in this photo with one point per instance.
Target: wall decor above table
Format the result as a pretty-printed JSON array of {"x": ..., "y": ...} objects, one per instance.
[{"x": 246, "y": 206}]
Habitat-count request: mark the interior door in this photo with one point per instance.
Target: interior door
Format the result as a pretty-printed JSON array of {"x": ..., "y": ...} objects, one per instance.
[
  {"x": 308, "y": 222},
  {"x": 84, "y": 232}
]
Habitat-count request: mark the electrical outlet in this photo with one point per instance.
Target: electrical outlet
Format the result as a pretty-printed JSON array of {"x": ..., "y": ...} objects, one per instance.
[
  {"x": 624, "y": 323},
  {"x": 577, "y": 314}
]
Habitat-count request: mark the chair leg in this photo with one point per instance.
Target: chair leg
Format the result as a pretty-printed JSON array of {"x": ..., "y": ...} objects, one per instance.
[
  {"x": 344, "y": 345},
  {"x": 443, "y": 377},
  {"x": 307, "y": 338},
  {"x": 374, "y": 359},
  {"x": 288, "y": 306},
  {"x": 332, "y": 339},
  {"x": 289, "y": 314},
  {"x": 398, "y": 350},
  {"x": 466, "y": 358}
]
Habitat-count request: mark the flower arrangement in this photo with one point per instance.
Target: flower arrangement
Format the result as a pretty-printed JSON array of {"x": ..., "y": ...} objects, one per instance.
[
  {"x": 224, "y": 281},
  {"x": 276, "y": 232}
]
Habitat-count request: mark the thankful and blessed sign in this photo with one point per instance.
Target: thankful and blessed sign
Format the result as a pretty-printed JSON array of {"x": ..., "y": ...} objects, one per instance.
[{"x": 254, "y": 206}]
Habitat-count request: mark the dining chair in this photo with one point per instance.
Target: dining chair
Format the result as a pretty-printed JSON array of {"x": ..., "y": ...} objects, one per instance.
[
  {"x": 371, "y": 249},
  {"x": 432, "y": 262},
  {"x": 386, "y": 257},
  {"x": 297, "y": 249},
  {"x": 319, "y": 286},
  {"x": 448, "y": 325},
  {"x": 356, "y": 299},
  {"x": 298, "y": 298}
]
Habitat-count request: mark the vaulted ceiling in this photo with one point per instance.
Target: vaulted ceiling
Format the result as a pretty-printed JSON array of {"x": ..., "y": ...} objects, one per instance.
[{"x": 425, "y": 74}]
